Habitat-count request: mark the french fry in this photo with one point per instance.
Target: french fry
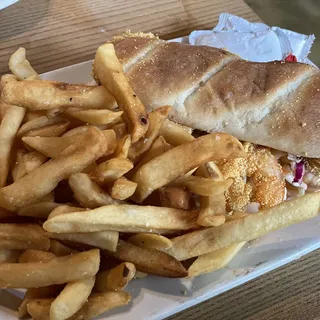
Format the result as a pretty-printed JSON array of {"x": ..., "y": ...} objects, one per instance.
[
  {"x": 120, "y": 129},
  {"x": 212, "y": 208},
  {"x": 31, "y": 115},
  {"x": 174, "y": 133},
  {"x": 88, "y": 193},
  {"x": 52, "y": 130},
  {"x": 38, "y": 210},
  {"x": 4, "y": 214},
  {"x": 37, "y": 123},
  {"x": 71, "y": 299},
  {"x": 46, "y": 95},
  {"x": 150, "y": 261},
  {"x": 60, "y": 249},
  {"x": 156, "y": 119},
  {"x": 9, "y": 255},
  {"x": 115, "y": 279},
  {"x": 94, "y": 116},
  {"x": 37, "y": 293},
  {"x": 49, "y": 146},
  {"x": 3, "y": 109},
  {"x": 215, "y": 260},
  {"x": 27, "y": 162},
  {"x": 175, "y": 197},
  {"x": 108, "y": 70},
  {"x": 123, "y": 147},
  {"x": 181, "y": 159},
  {"x": 206, "y": 187},
  {"x": 159, "y": 147},
  {"x": 21, "y": 67},
  {"x": 5, "y": 79},
  {"x": 111, "y": 141},
  {"x": 56, "y": 271},
  {"x": 32, "y": 255},
  {"x": 107, "y": 240},
  {"x": 8, "y": 129},
  {"x": 23, "y": 236},
  {"x": 97, "y": 304},
  {"x": 150, "y": 241},
  {"x": 76, "y": 131},
  {"x": 109, "y": 171},
  {"x": 31, "y": 187},
  {"x": 250, "y": 227},
  {"x": 123, "y": 189},
  {"x": 123, "y": 218}
]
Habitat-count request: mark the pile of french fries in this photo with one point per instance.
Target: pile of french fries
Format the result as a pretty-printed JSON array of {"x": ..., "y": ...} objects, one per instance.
[{"x": 96, "y": 192}]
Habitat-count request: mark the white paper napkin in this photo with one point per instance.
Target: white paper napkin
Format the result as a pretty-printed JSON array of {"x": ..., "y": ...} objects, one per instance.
[
  {"x": 6, "y": 3},
  {"x": 254, "y": 41}
]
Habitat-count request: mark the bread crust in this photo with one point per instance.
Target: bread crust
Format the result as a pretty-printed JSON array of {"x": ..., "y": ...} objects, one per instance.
[{"x": 275, "y": 104}]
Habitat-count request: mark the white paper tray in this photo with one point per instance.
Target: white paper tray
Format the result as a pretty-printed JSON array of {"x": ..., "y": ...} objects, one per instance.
[{"x": 156, "y": 298}]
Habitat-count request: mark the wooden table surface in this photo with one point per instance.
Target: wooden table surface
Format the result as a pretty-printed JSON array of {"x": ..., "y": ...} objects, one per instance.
[{"x": 58, "y": 33}]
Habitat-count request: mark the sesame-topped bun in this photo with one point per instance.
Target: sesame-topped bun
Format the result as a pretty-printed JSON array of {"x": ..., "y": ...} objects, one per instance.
[{"x": 275, "y": 104}]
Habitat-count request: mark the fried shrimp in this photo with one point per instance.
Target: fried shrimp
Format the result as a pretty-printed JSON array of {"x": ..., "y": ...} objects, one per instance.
[
  {"x": 266, "y": 176},
  {"x": 257, "y": 179}
]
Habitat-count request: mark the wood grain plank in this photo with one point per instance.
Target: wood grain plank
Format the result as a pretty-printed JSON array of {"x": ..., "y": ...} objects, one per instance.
[{"x": 58, "y": 33}]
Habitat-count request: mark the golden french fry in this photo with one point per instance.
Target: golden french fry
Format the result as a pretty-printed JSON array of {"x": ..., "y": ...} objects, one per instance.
[
  {"x": 23, "y": 236},
  {"x": 123, "y": 218},
  {"x": 109, "y": 171},
  {"x": 32, "y": 255},
  {"x": 250, "y": 227},
  {"x": 9, "y": 255},
  {"x": 181, "y": 159},
  {"x": 71, "y": 299},
  {"x": 37, "y": 123},
  {"x": 7, "y": 214},
  {"x": 8, "y": 129},
  {"x": 159, "y": 147},
  {"x": 86, "y": 149},
  {"x": 60, "y": 249},
  {"x": 31, "y": 115},
  {"x": 174, "y": 133},
  {"x": 37, "y": 293},
  {"x": 97, "y": 304},
  {"x": 46, "y": 95},
  {"x": 215, "y": 260},
  {"x": 115, "y": 279},
  {"x": 88, "y": 193},
  {"x": 94, "y": 116},
  {"x": 150, "y": 261},
  {"x": 123, "y": 189},
  {"x": 3, "y": 109},
  {"x": 49, "y": 146},
  {"x": 5, "y": 79},
  {"x": 62, "y": 209},
  {"x": 38, "y": 210},
  {"x": 156, "y": 119},
  {"x": 107, "y": 240},
  {"x": 21, "y": 67},
  {"x": 108, "y": 70},
  {"x": 52, "y": 130},
  {"x": 212, "y": 208},
  {"x": 27, "y": 162},
  {"x": 175, "y": 197},
  {"x": 56, "y": 271},
  {"x": 120, "y": 129},
  {"x": 150, "y": 241},
  {"x": 123, "y": 147},
  {"x": 111, "y": 141},
  {"x": 76, "y": 131},
  {"x": 206, "y": 187}
]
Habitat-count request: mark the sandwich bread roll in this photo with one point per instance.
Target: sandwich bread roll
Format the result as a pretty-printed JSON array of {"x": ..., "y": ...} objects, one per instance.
[{"x": 275, "y": 104}]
